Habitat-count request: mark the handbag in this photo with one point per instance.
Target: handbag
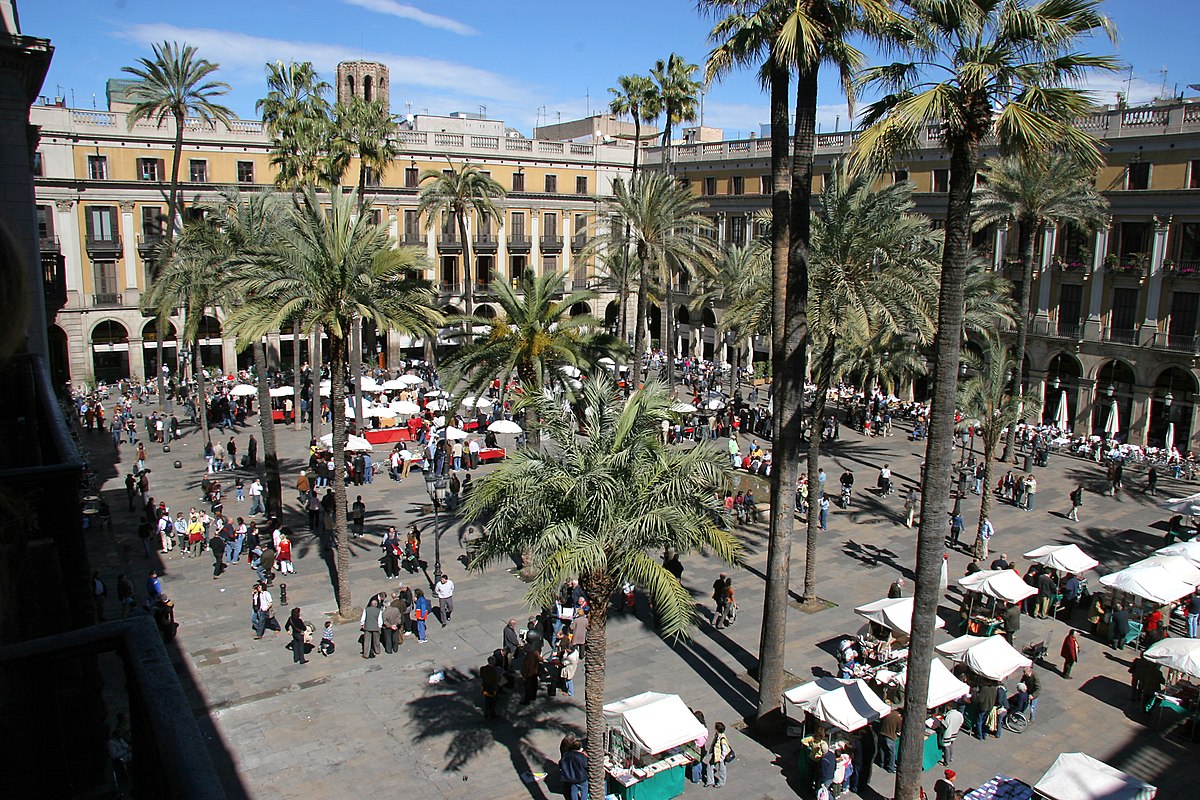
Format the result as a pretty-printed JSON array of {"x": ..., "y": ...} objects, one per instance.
[{"x": 730, "y": 756}]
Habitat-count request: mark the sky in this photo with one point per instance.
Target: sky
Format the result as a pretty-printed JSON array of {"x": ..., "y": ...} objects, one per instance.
[{"x": 528, "y": 63}]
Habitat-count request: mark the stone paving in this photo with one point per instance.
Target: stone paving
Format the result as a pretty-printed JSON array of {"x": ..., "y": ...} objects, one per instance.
[{"x": 341, "y": 725}]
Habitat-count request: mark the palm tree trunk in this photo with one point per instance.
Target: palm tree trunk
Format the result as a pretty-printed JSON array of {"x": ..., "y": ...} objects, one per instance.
[
  {"x": 669, "y": 324},
  {"x": 600, "y": 586},
  {"x": 815, "y": 413},
  {"x": 202, "y": 392},
  {"x": 939, "y": 457},
  {"x": 1028, "y": 238},
  {"x": 637, "y": 144},
  {"x": 985, "y": 502},
  {"x": 773, "y": 636},
  {"x": 337, "y": 399},
  {"x": 641, "y": 315},
  {"x": 296, "y": 375},
  {"x": 356, "y": 372},
  {"x": 172, "y": 210},
  {"x": 468, "y": 283},
  {"x": 160, "y": 331},
  {"x": 266, "y": 421}
]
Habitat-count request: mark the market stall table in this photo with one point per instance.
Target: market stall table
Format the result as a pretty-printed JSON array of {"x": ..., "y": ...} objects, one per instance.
[
  {"x": 1001, "y": 787},
  {"x": 649, "y": 742}
]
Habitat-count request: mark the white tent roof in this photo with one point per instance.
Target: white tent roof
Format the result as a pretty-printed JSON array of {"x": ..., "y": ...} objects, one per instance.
[
  {"x": 895, "y": 613},
  {"x": 1077, "y": 776},
  {"x": 1002, "y": 584},
  {"x": 1064, "y": 557},
  {"x": 654, "y": 721},
  {"x": 282, "y": 391},
  {"x": 355, "y": 444},
  {"x": 993, "y": 657},
  {"x": 850, "y": 707},
  {"x": 1189, "y": 550},
  {"x": 943, "y": 686},
  {"x": 405, "y": 407},
  {"x": 803, "y": 696},
  {"x": 243, "y": 390},
  {"x": 1180, "y": 654},
  {"x": 1178, "y": 566},
  {"x": 954, "y": 648},
  {"x": 1189, "y": 505},
  {"x": 1156, "y": 584}
]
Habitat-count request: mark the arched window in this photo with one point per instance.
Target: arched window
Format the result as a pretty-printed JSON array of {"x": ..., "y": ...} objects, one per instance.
[
  {"x": 350, "y": 84},
  {"x": 367, "y": 88}
]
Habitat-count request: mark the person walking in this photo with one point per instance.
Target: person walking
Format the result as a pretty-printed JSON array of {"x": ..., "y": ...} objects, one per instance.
[
  {"x": 573, "y": 768},
  {"x": 489, "y": 679},
  {"x": 444, "y": 591},
  {"x": 1152, "y": 481},
  {"x": 986, "y": 532},
  {"x": 1193, "y": 615},
  {"x": 722, "y": 587},
  {"x": 371, "y": 623},
  {"x": 1069, "y": 653},
  {"x": 718, "y": 756},
  {"x": 392, "y": 622},
  {"x": 951, "y": 724},
  {"x": 531, "y": 668},
  {"x": 956, "y": 529},
  {"x": 358, "y": 515},
  {"x": 569, "y": 662},
  {"x": 298, "y": 628},
  {"x": 824, "y": 505},
  {"x": 1118, "y": 627},
  {"x": 910, "y": 508},
  {"x": 1030, "y": 491},
  {"x": 943, "y": 788},
  {"x": 1076, "y": 503},
  {"x": 420, "y": 612}
]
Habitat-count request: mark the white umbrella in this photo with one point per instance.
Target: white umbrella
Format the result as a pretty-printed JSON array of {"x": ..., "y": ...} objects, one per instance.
[
  {"x": 608, "y": 362},
  {"x": 714, "y": 404},
  {"x": 1062, "y": 419},
  {"x": 1113, "y": 425},
  {"x": 1156, "y": 584},
  {"x": 570, "y": 370},
  {"x": 1180, "y": 654},
  {"x": 1170, "y": 440},
  {"x": 355, "y": 444},
  {"x": 895, "y": 613},
  {"x": 477, "y": 402},
  {"x": 1189, "y": 505},
  {"x": 1189, "y": 550},
  {"x": 409, "y": 380},
  {"x": 682, "y": 408},
  {"x": 282, "y": 391},
  {"x": 433, "y": 393},
  {"x": 453, "y": 433},
  {"x": 405, "y": 407},
  {"x": 368, "y": 383},
  {"x": 504, "y": 426},
  {"x": 243, "y": 390},
  {"x": 1065, "y": 557},
  {"x": 393, "y": 384},
  {"x": 437, "y": 405}
]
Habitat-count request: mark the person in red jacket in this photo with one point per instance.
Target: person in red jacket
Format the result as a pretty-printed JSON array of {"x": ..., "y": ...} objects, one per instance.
[{"x": 1069, "y": 653}]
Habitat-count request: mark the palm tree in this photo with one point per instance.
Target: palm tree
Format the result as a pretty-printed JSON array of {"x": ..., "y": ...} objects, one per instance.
[
  {"x": 677, "y": 95},
  {"x": 987, "y": 299},
  {"x": 987, "y": 404},
  {"x": 1037, "y": 190},
  {"x": 737, "y": 272},
  {"x": 886, "y": 359},
  {"x": 667, "y": 231},
  {"x": 332, "y": 266},
  {"x": 599, "y": 506},
  {"x": 977, "y": 68},
  {"x": 635, "y": 95},
  {"x": 617, "y": 275},
  {"x": 872, "y": 262},
  {"x": 174, "y": 85},
  {"x": 362, "y": 129},
  {"x": 296, "y": 114},
  {"x": 535, "y": 337},
  {"x": 457, "y": 192}
]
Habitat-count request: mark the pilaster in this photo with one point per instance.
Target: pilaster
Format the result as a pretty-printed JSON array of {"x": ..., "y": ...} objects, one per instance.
[
  {"x": 1000, "y": 245},
  {"x": 67, "y": 226},
  {"x": 129, "y": 253},
  {"x": 1162, "y": 224},
  {"x": 1044, "y": 274},
  {"x": 1091, "y": 326}
]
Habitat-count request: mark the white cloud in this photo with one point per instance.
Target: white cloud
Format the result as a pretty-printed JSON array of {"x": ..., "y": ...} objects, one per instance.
[
  {"x": 404, "y": 11},
  {"x": 247, "y": 54},
  {"x": 739, "y": 119},
  {"x": 1105, "y": 85}
]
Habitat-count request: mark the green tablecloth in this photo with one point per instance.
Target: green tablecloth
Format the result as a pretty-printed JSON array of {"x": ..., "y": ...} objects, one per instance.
[
  {"x": 661, "y": 786},
  {"x": 932, "y": 753}
]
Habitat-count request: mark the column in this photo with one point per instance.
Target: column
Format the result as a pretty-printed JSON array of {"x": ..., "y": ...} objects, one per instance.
[
  {"x": 1085, "y": 404},
  {"x": 565, "y": 231},
  {"x": 1091, "y": 327},
  {"x": 393, "y": 221},
  {"x": 1037, "y": 388},
  {"x": 750, "y": 354},
  {"x": 1194, "y": 443},
  {"x": 1138, "y": 426},
  {"x": 1045, "y": 278},
  {"x": 1000, "y": 245},
  {"x": 1162, "y": 223},
  {"x": 228, "y": 353},
  {"x": 535, "y": 250},
  {"x": 129, "y": 253},
  {"x": 273, "y": 350},
  {"x": 431, "y": 236},
  {"x": 722, "y": 228},
  {"x": 137, "y": 358},
  {"x": 502, "y": 265},
  {"x": 67, "y": 228}
]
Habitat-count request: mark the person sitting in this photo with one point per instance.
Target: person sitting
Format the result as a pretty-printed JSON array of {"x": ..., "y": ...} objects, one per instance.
[{"x": 1019, "y": 703}]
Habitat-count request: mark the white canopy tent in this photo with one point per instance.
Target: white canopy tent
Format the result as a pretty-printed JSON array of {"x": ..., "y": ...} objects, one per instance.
[
  {"x": 1178, "y": 566},
  {"x": 1189, "y": 505},
  {"x": 682, "y": 408},
  {"x": 1179, "y": 654},
  {"x": 992, "y": 658},
  {"x": 1002, "y": 584},
  {"x": 850, "y": 707},
  {"x": 282, "y": 391},
  {"x": 800, "y": 698},
  {"x": 405, "y": 407},
  {"x": 1189, "y": 550},
  {"x": 1063, "y": 557},
  {"x": 356, "y": 444},
  {"x": 943, "y": 686},
  {"x": 243, "y": 390},
  {"x": 895, "y": 613},
  {"x": 1156, "y": 584},
  {"x": 653, "y": 721},
  {"x": 1077, "y": 776}
]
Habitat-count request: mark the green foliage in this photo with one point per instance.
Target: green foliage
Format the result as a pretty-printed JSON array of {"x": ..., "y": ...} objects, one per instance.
[
  {"x": 296, "y": 114},
  {"x": 174, "y": 85}
]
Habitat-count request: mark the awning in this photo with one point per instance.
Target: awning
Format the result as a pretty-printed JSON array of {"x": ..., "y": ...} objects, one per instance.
[
  {"x": 895, "y": 613},
  {"x": 1189, "y": 550},
  {"x": 1063, "y": 557},
  {"x": 1002, "y": 584},
  {"x": 992, "y": 658},
  {"x": 800, "y": 698},
  {"x": 1156, "y": 584},
  {"x": 1077, "y": 776},
  {"x": 943, "y": 686},
  {"x": 1178, "y": 566},
  {"x": 1180, "y": 654},
  {"x": 653, "y": 721},
  {"x": 850, "y": 707}
]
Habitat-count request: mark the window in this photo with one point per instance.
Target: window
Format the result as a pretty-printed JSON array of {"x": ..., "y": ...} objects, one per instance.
[
  {"x": 1138, "y": 175},
  {"x": 1070, "y": 304},
  {"x": 150, "y": 169},
  {"x": 581, "y": 184},
  {"x": 1188, "y": 249},
  {"x": 370, "y": 176},
  {"x": 152, "y": 222},
  {"x": 549, "y": 264},
  {"x": 1193, "y": 174},
  {"x": 941, "y": 180},
  {"x": 737, "y": 230},
  {"x": 549, "y": 225},
  {"x": 245, "y": 171},
  {"x": 1181, "y": 329},
  {"x": 579, "y": 226},
  {"x": 450, "y": 226},
  {"x": 518, "y": 225},
  {"x": 710, "y": 186},
  {"x": 412, "y": 225},
  {"x": 375, "y": 216},
  {"x": 198, "y": 170},
  {"x": 484, "y": 267},
  {"x": 737, "y": 185},
  {"x": 483, "y": 227},
  {"x": 102, "y": 224},
  {"x": 551, "y": 184},
  {"x": 45, "y": 223},
  {"x": 518, "y": 181},
  {"x": 37, "y": 164},
  {"x": 412, "y": 177},
  {"x": 767, "y": 184},
  {"x": 1124, "y": 316},
  {"x": 149, "y": 271},
  {"x": 899, "y": 176},
  {"x": 617, "y": 185},
  {"x": 97, "y": 168},
  {"x": 104, "y": 282}
]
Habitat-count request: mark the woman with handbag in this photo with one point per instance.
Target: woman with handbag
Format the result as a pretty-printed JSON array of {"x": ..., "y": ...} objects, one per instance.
[
  {"x": 718, "y": 757},
  {"x": 299, "y": 632}
]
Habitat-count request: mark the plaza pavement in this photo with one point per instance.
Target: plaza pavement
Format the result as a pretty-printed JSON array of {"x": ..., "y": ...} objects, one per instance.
[{"x": 342, "y": 725}]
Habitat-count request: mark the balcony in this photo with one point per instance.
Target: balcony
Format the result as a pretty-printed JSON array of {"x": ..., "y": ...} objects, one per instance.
[
  {"x": 49, "y": 244},
  {"x": 449, "y": 244},
  {"x": 485, "y": 243},
  {"x": 1056, "y": 329},
  {"x": 449, "y": 288},
  {"x": 148, "y": 243},
  {"x": 54, "y": 281},
  {"x": 519, "y": 242},
  {"x": 1178, "y": 343},
  {"x": 551, "y": 242},
  {"x": 579, "y": 241},
  {"x": 1182, "y": 269},
  {"x": 108, "y": 246},
  {"x": 106, "y": 300},
  {"x": 1120, "y": 335},
  {"x": 413, "y": 239}
]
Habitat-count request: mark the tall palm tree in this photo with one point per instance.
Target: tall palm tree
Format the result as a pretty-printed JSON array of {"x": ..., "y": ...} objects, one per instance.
[
  {"x": 677, "y": 95},
  {"x": 617, "y": 275},
  {"x": 174, "y": 85},
  {"x": 1036, "y": 189},
  {"x": 667, "y": 232},
  {"x": 330, "y": 267},
  {"x": 872, "y": 260},
  {"x": 987, "y": 403},
  {"x": 296, "y": 114},
  {"x": 599, "y": 507},
  {"x": 987, "y": 299},
  {"x": 975, "y": 68},
  {"x": 458, "y": 192},
  {"x": 362, "y": 129},
  {"x": 635, "y": 95},
  {"x": 886, "y": 359},
  {"x": 534, "y": 336},
  {"x": 736, "y": 271}
]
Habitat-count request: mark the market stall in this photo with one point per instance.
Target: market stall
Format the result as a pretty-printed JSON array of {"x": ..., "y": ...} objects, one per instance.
[
  {"x": 943, "y": 688},
  {"x": 1077, "y": 776},
  {"x": 1067, "y": 558},
  {"x": 1153, "y": 584},
  {"x": 991, "y": 586},
  {"x": 832, "y": 710},
  {"x": 890, "y": 624},
  {"x": 648, "y": 742},
  {"x": 1180, "y": 691},
  {"x": 990, "y": 657},
  {"x": 1189, "y": 550}
]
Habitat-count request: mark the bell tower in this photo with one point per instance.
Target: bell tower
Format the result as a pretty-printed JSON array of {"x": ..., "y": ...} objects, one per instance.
[{"x": 365, "y": 79}]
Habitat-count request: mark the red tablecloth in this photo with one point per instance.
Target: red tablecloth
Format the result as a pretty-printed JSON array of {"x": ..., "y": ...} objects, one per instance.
[{"x": 388, "y": 435}]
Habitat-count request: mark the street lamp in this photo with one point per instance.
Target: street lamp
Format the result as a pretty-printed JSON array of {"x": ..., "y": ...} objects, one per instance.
[
  {"x": 436, "y": 486},
  {"x": 700, "y": 344},
  {"x": 731, "y": 352}
]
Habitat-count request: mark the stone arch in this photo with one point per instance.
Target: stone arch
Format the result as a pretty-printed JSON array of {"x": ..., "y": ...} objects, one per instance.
[
  {"x": 654, "y": 323},
  {"x": 485, "y": 311},
  {"x": 682, "y": 315},
  {"x": 709, "y": 318},
  {"x": 60, "y": 358},
  {"x": 350, "y": 85},
  {"x": 150, "y": 348},
  {"x": 612, "y": 316},
  {"x": 1063, "y": 372},
  {"x": 109, "y": 341},
  {"x": 580, "y": 309},
  {"x": 368, "y": 88},
  {"x": 1115, "y": 381},
  {"x": 1172, "y": 401}
]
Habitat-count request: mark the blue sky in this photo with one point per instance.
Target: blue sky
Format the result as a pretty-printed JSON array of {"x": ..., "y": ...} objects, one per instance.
[{"x": 525, "y": 62}]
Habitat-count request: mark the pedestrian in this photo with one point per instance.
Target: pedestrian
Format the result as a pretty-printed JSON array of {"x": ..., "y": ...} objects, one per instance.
[
  {"x": 951, "y": 724},
  {"x": 298, "y": 628},
  {"x": 125, "y": 594},
  {"x": 444, "y": 590},
  {"x": 99, "y": 593},
  {"x": 943, "y": 789},
  {"x": 256, "y": 497},
  {"x": 153, "y": 586},
  {"x": 696, "y": 770},
  {"x": 1030, "y": 491},
  {"x": 489, "y": 680},
  {"x": 531, "y": 668},
  {"x": 573, "y": 768},
  {"x": 824, "y": 505},
  {"x": 1193, "y": 616},
  {"x": 510, "y": 643},
  {"x": 393, "y": 620},
  {"x": 910, "y": 508},
  {"x": 420, "y": 613},
  {"x": 371, "y": 623},
  {"x": 1152, "y": 481},
  {"x": 986, "y": 532},
  {"x": 327, "y": 639},
  {"x": 1118, "y": 627},
  {"x": 358, "y": 515},
  {"x": 956, "y": 529},
  {"x": 721, "y": 590},
  {"x": 216, "y": 546},
  {"x": 283, "y": 556},
  {"x": 1069, "y": 653},
  {"x": 569, "y": 664},
  {"x": 265, "y": 605},
  {"x": 889, "y": 732},
  {"x": 896, "y": 589},
  {"x": 1076, "y": 502},
  {"x": 718, "y": 757}
]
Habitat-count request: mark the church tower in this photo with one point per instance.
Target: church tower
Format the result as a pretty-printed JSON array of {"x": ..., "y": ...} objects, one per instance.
[{"x": 365, "y": 79}]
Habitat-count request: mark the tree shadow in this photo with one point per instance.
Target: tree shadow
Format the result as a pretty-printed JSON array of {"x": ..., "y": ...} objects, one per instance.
[
  {"x": 736, "y": 689},
  {"x": 454, "y": 709},
  {"x": 872, "y": 555}
]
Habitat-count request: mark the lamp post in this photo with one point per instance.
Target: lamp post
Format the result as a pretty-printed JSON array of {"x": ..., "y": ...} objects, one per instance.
[
  {"x": 1110, "y": 393},
  {"x": 731, "y": 351},
  {"x": 1170, "y": 398},
  {"x": 962, "y": 447},
  {"x": 436, "y": 486}
]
